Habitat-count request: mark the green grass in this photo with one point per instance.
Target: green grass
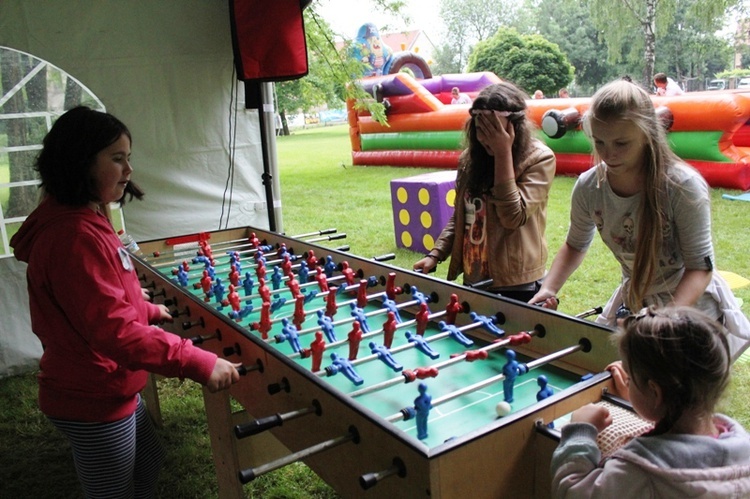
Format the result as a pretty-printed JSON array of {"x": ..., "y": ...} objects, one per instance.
[{"x": 320, "y": 189}]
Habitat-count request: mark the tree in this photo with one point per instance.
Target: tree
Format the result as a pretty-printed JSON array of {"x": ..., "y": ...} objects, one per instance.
[
  {"x": 468, "y": 22},
  {"x": 332, "y": 73},
  {"x": 649, "y": 18},
  {"x": 569, "y": 25},
  {"x": 691, "y": 54},
  {"x": 529, "y": 61}
]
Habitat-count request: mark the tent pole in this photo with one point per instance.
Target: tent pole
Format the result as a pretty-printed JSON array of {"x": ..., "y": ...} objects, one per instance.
[{"x": 268, "y": 147}]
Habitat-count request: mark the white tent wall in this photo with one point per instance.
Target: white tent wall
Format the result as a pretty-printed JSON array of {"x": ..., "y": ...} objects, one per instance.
[{"x": 165, "y": 68}]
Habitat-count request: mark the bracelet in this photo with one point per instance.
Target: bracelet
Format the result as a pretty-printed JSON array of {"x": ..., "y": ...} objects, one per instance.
[{"x": 428, "y": 255}]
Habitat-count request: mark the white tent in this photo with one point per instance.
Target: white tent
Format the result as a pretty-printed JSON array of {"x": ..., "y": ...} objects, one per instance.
[{"x": 164, "y": 68}]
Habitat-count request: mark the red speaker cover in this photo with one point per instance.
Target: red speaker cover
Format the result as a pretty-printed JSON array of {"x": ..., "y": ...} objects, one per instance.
[{"x": 268, "y": 39}]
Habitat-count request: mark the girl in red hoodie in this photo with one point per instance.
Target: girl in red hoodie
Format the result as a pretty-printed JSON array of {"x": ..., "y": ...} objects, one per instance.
[{"x": 89, "y": 313}]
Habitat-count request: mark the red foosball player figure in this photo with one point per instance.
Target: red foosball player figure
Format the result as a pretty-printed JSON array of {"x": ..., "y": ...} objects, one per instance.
[
  {"x": 422, "y": 318},
  {"x": 260, "y": 270},
  {"x": 389, "y": 329},
  {"x": 206, "y": 285},
  {"x": 293, "y": 284},
  {"x": 321, "y": 279},
  {"x": 206, "y": 250},
  {"x": 391, "y": 290},
  {"x": 312, "y": 260},
  {"x": 452, "y": 309},
  {"x": 234, "y": 299},
  {"x": 254, "y": 241},
  {"x": 317, "y": 347},
  {"x": 264, "y": 325},
  {"x": 299, "y": 311},
  {"x": 286, "y": 265},
  {"x": 264, "y": 291},
  {"x": 331, "y": 307},
  {"x": 234, "y": 276},
  {"x": 355, "y": 337},
  {"x": 362, "y": 294},
  {"x": 348, "y": 272}
]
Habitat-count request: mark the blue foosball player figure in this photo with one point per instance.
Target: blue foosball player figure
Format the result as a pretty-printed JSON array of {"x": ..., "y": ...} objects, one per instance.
[
  {"x": 326, "y": 325},
  {"x": 359, "y": 314},
  {"x": 455, "y": 334},
  {"x": 385, "y": 355},
  {"x": 290, "y": 334},
  {"x": 544, "y": 391},
  {"x": 248, "y": 284},
  {"x": 422, "y": 345},
  {"x": 511, "y": 370},
  {"x": 276, "y": 278},
  {"x": 342, "y": 365},
  {"x": 487, "y": 323},
  {"x": 392, "y": 307},
  {"x": 422, "y": 405},
  {"x": 329, "y": 267},
  {"x": 303, "y": 273}
]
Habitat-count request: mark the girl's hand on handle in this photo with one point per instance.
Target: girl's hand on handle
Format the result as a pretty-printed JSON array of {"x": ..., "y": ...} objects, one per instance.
[
  {"x": 593, "y": 414},
  {"x": 621, "y": 379},
  {"x": 545, "y": 299},
  {"x": 223, "y": 376},
  {"x": 426, "y": 264},
  {"x": 164, "y": 315}
]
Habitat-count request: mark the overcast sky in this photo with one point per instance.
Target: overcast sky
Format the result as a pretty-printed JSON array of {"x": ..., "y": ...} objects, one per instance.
[{"x": 346, "y": 16}]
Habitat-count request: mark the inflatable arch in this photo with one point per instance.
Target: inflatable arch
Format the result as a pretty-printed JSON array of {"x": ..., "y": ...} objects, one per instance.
[{"x": 709, "y": 130}]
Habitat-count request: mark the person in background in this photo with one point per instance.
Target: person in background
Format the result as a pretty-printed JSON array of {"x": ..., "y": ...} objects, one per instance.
[
  {"x": 496, "y": 234},
  {"x": 652, "y": 211},
  {"x": 563, "y": 93},
  {"x": 665, "y": 86},
  {"x": 675, "y": 366},
  {"x": 88, "y": 310},
  {"x": 538, "y": 94},
  {"x": 457, "y": 97}
]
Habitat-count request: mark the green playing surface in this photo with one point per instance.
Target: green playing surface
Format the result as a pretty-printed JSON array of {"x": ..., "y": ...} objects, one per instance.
[{"x": 448, "y": 418}]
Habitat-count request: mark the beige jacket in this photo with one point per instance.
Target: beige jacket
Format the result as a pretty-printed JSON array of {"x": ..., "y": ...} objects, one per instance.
[{"x": 516, "y": 223}]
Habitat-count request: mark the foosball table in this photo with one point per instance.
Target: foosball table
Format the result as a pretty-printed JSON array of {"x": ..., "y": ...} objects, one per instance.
[{"x": 385, "y": 382}]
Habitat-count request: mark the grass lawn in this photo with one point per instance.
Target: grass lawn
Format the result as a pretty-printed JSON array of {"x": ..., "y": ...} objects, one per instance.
[{"x": 321, "y": 189}]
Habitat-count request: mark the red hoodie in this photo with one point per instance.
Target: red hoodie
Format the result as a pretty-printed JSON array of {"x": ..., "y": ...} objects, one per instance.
[{"x": 88, "y": 311}]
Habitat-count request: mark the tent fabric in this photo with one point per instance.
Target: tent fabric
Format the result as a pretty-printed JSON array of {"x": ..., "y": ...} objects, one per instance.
[
  {"x": 166, "y": 70},
  {"x": 19, "y": 349},
  {"x": 268, "y": 39}
]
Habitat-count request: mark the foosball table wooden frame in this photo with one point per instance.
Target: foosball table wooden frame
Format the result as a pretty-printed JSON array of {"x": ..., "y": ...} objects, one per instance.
[{"x": 354, "y": 450}]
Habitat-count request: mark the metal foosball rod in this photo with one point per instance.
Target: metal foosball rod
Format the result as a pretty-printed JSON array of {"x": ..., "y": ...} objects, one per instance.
[
  {"x": 514, "y": 340},
  {"x": 249, "y": 474},
  {"x": 262, "y": 424},
  {"x": 405, "y": 414}
]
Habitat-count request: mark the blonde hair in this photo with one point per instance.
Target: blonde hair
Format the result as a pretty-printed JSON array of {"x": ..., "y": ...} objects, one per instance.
[{"x": 622, "y": 100}]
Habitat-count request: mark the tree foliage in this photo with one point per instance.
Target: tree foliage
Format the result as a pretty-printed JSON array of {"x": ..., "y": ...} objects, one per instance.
[
  {"x": 652, "y": 20},
  {"x": 466, "y": 23},
  {"x": 569, "y": 25},
  {"x": 529, "y": 61},
  {"x": 332, "y": 75}
]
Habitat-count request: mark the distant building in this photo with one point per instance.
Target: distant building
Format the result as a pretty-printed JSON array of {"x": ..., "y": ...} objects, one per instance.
[{"x": 414, "y": 41}]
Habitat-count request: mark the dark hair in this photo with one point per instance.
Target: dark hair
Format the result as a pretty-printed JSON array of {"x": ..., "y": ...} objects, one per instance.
[
  {"x": 503, "y": 96},
  {"x": 69, "y": 152},
  {"x": 683, "y": 351},
  {"x": 660, "y": 77}
]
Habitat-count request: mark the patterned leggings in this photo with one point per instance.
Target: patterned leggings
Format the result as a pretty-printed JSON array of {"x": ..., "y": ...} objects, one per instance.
[{"x": 108, "y": 461}]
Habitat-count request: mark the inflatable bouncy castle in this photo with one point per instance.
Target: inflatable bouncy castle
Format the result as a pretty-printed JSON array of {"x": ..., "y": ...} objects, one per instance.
[
  {"x": 379, "y": 59},
  {"x": 709, "y": 130}
]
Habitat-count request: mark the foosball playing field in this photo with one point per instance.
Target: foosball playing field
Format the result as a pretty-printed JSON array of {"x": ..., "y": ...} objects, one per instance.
[{"x": 383, "y": 381}]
